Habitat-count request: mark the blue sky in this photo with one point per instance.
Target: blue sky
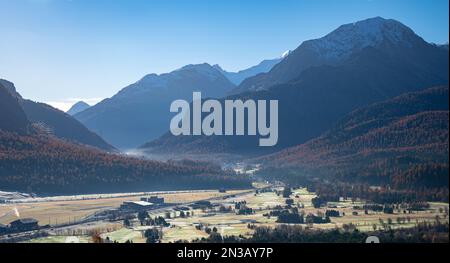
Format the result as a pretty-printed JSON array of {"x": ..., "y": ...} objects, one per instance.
[{"x": 59, "y": 51}]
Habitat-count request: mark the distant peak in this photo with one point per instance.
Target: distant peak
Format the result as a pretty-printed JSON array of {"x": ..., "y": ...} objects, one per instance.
[
  {"x": 78, "y": 107},
  {"x": 202, "y": 69},
  {"x": 81, "y": 103}
]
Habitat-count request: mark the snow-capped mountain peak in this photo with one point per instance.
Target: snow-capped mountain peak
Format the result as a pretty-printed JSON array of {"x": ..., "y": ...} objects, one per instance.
[{"x": 353, "y": 37}]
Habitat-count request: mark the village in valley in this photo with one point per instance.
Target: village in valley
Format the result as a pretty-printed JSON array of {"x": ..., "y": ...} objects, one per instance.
[{"x": 193, "y": 216}]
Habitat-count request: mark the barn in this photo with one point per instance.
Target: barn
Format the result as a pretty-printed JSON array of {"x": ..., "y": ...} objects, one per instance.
[{"x": 24, "y": 224}]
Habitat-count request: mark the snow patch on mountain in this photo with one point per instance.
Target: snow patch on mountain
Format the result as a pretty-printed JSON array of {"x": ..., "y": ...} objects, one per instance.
[{"x": 286, "y": 53}]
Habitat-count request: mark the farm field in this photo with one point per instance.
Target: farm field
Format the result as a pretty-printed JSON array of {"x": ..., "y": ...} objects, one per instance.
[
  {"x": 229, "y": 223},
  {"x": 61, "y": 212}
]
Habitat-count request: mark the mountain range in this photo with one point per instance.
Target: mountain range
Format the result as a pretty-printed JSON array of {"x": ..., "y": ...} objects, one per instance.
[
  {"x": 324, "y": 79},
  {"x": 140, "y": 112}
]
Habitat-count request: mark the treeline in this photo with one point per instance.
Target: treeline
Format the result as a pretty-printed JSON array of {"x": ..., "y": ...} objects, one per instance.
[
  {"x": 46, "y": 165},
  {"x": 430, "y": 175},
  {"x": 332, "y": 187},
  {"x": 422, "y": 233},
  {"x": 380, "y": 195}
]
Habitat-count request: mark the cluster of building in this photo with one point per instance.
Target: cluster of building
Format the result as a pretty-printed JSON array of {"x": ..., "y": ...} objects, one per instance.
[
  {"x": 145, "y": 204},
  {"x": 19, "y": 225}
]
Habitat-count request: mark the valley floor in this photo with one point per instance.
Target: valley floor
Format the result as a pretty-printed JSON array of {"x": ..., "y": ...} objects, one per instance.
[
  {"x": 64, "y": 214},
  {"x": 59, "y": 210}
]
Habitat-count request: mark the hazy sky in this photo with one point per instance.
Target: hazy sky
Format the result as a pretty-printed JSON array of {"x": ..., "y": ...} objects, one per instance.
[{"x": 59, "y": 51}]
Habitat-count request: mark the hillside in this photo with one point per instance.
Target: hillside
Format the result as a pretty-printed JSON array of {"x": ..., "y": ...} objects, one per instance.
[
  {"x": 62, "y": 125},
  {"x": 55, "y": 121},
  {"x": 50, "y": 166},
  {"x": 402, "y": 142},
  {"x": 33, "y": 161}
]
